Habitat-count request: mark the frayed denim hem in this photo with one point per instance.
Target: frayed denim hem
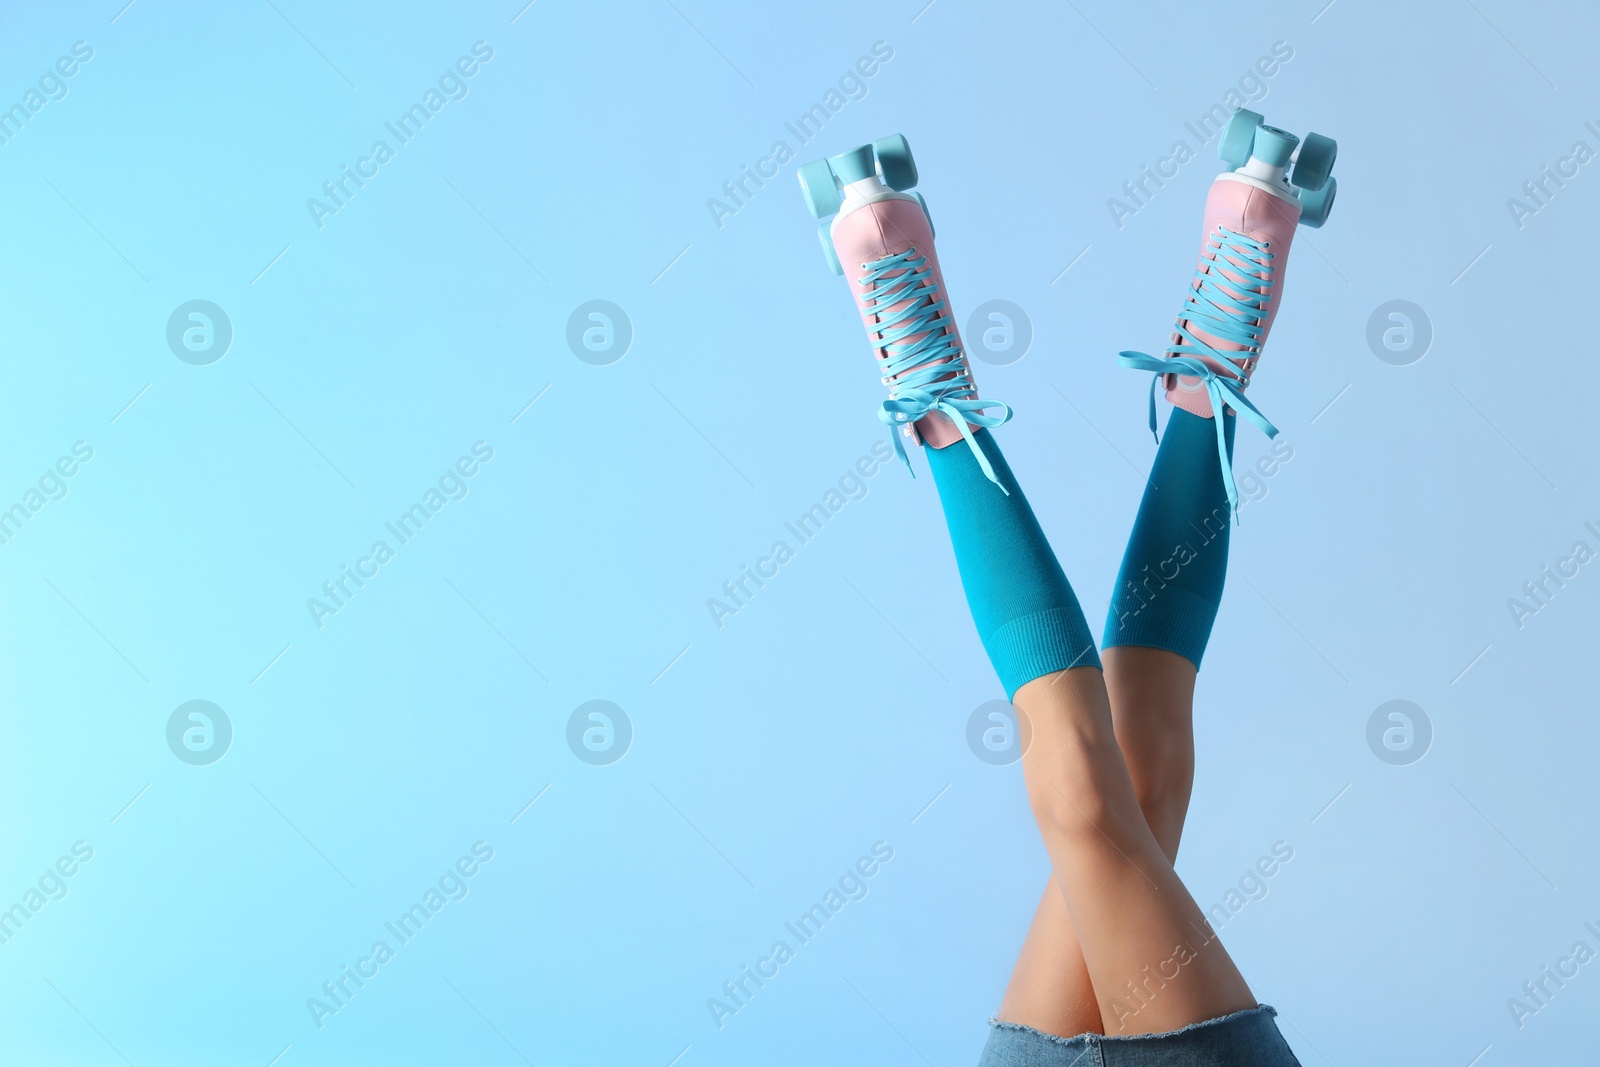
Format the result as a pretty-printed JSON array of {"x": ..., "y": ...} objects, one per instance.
[
  {"x": 1272, "y": 1012},
  {"x": 1247, "y": 1038}
]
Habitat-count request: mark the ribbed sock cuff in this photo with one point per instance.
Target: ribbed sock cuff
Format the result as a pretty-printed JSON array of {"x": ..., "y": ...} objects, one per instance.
[
  {"x": 1039, "y": 644},
  {"x": 1174, "y": 619}
]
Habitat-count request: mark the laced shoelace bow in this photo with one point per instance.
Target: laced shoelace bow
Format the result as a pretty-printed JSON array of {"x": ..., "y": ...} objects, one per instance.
[
  {"x": 924, "y": 367},
  {"x": 1232, "y": 311}
]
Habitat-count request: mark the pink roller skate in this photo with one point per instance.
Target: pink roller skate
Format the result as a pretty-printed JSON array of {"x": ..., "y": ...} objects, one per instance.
[
  {"x": 1250, "y": 220},
  {"x": 884, "y": 236}
]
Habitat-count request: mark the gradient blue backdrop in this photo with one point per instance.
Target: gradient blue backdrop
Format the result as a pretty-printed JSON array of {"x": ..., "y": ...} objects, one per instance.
[{"x": 372, "y": 351}]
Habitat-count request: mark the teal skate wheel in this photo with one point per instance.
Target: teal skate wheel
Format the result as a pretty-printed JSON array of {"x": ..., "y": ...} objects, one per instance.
[
  {"x": 829, "y": 253},
  {"x": 1273, "y": 146},
  {"x": 819, "y": 189},
  {"x": 1317, "y": 204},
  {"x": 927, "y": 214},
  {"x": 895, "y": 160},
  {"x": 1315, "y": 162},
  {"x": 1237, "y": 137}
]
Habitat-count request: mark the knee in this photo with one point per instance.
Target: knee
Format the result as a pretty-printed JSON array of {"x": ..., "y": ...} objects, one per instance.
[
  {"x": 1077, "y": 778},
  {"x": 1165, "y": 779},
  {"x": 1160, "y": 761},
  {"x": 1162, "y": 771},
  {"x": 1075, "y": 799}
]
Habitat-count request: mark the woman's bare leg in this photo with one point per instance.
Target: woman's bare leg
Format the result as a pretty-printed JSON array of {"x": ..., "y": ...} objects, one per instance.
[
  {"x": 1049, "y": 988},
  {"x": 1158, "y": 625},
  {"x": 1152, "y": 961},
  {"x": 1152, "y": 707},
  {"x": 1152, "y": 695},
  {"x": 1032, "y": 627}
]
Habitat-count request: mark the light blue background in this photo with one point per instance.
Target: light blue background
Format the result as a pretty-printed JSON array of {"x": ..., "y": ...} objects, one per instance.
[{"x": 770, "y": 753}]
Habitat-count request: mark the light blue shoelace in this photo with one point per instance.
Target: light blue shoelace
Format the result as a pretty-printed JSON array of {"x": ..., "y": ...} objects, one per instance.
[
  {"x": 928, "y": 374},
  {"x": 1228, "y": 311}
]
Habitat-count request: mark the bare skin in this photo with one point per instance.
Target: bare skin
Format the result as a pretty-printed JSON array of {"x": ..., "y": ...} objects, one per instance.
[{"x": 1117, "y": 944}]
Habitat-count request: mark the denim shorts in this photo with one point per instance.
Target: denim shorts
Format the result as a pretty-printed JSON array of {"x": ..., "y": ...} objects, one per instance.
[{"x": 1244, "y": 1039}]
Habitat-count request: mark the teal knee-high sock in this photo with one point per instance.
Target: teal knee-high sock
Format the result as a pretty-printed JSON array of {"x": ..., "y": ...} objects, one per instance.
[
  {"x": 1170, "y": 585},
  {"x": 1026, "y": 614}
]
